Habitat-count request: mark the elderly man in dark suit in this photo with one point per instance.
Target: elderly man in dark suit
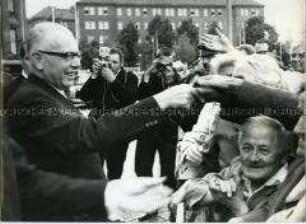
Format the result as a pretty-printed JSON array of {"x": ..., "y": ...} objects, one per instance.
[{"x": 59, "y": 140}]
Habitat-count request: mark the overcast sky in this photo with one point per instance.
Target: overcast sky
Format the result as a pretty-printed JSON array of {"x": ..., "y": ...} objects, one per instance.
[{"x": 288, "y": 16}]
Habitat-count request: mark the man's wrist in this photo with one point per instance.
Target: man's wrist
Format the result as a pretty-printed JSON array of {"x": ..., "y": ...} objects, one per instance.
[{"x": 161, "y": 101}]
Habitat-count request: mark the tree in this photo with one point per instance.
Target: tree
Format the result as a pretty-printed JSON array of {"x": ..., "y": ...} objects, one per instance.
[
  {"x": 128, "y": 43},
  {"x": 258, "y": 31},
  {"x": 190, "y": 30},
  {"x": 161, "y": 31},
  {"x": 89, "y": 52}
]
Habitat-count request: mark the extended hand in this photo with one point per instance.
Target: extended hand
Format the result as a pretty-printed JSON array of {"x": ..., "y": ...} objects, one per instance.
[
  {"x": 192, "y": 192},
  {"x": 180, "y": 96},
  {"x": 133, "y": 198}
]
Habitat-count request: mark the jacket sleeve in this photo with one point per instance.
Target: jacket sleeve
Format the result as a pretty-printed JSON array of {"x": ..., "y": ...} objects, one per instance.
[
  {"x": 87, "y": 92},
  {"x": 246, "y": 101},
  {"x": 62, "y": 130},
  {"x": 125, "y": 92},
  {"x": 47, "y": 194}
]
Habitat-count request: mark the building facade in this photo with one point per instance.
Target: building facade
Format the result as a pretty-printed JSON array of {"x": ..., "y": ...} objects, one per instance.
[
  {"x": 103, "y": 20},
  {"x": 13, "y": 33},
  {"x": 65, "y": 17}
]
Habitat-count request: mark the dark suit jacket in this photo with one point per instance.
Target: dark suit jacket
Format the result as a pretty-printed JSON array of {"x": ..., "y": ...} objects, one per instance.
[
  {"x": 99, "y": 94},
  {"x": 58, "y": 139}
]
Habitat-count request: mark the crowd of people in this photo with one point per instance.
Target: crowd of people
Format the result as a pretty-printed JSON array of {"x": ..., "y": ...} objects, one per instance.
[{"x": 240, "y": 157}]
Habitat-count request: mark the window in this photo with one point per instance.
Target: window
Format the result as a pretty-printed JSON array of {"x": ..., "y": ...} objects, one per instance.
[
  {"x": 194, "y": 12},
  {"x": 129, "y": 11},
  {"x": 145, "y": 12},
  {"x": 220, "y": 12},
  {"x": 137, "y": 26},
  {"x": 119, "y": 25},
  {"x": 89, "y": 11},
  {"x": 242, "y": 12},
  {"x": 137, "y": 12},
  {"x": 154, "y": 11},
  {"x": 172, "y": 12},
  {"x": 103, "y": 11},
  {"x": 196, "y": 24},
  {"x": 139, "y": 41},
  {"x": 101, "y": 39},
  {"x": 119, "y": 11},
  {"x": 90, "y": 38},
  {"x": 212, "y": 13},
  {"x": 220, "y": 25},
  {"x": 13, "y": 41},
  {"x": 103, "y": 25},
  {"x": 246, "y": 12},
  {"x": 159, "y": 12},
  {"x": 90, "y": 25},
  {"x": 145, "y": 26},
  {"x": 167, "y": 12},
  {"x": 205, "y": 12},
  {"x": 10, "y": 5},
  {"x": 182, "y": 12}
]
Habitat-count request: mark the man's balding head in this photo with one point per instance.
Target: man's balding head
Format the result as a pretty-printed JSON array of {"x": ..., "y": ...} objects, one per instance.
[
  {"x": 54, "y": 54},
  {"x": 48, "y": 33}
]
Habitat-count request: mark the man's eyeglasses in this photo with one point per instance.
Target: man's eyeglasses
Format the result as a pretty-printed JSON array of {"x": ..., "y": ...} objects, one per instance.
[{"x": 67, "y": 55}]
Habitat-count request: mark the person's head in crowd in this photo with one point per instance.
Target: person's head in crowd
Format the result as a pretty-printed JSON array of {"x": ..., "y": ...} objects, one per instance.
[
  {"x": 261, "y": 69},
  {"x": 116, "y": 60},
  {"x": 53, "y": 54},
  {"x": 165, "y": 57},
  {"x": 263, "y": 148},
  {"x": 247, "y": 49}
]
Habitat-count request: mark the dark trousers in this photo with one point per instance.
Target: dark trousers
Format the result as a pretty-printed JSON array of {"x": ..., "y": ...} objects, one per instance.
[
  {"x": 115, "y": 157},
  {"x": 163, "y": 138}
]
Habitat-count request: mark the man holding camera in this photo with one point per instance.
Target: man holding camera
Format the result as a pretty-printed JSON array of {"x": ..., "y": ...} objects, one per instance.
[
  {"x": 162, "y": 137},
  {"x": 109, "y": 88}
]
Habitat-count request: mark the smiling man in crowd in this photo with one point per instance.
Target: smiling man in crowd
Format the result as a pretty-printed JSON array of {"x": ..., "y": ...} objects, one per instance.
[{"x": 243, "y": 188}]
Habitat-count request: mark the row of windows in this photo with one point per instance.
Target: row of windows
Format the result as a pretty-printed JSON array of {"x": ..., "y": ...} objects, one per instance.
[
  {"x": 249, "y": 12},
  {"x": 170, "y": 12},
  {"x": 104, "y": 25},
  {"x": 102, "y": 38}
]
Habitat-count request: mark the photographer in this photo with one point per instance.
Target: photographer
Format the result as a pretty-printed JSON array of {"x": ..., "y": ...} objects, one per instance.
[
  {"x": 162, "y": 137},
  {"x": 110, "y": 87}
]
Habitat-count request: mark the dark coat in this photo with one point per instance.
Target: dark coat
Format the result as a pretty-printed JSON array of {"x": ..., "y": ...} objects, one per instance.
[
  {"x": 100, "y": 94},
  {"x": 59, "y": 140}
]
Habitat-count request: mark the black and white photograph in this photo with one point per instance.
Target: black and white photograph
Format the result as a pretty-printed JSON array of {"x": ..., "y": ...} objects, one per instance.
[{"x": 153, "y": 111}]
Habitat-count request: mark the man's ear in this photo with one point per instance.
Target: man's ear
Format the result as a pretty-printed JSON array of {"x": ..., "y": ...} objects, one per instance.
[{"x": 38, "y": 61}]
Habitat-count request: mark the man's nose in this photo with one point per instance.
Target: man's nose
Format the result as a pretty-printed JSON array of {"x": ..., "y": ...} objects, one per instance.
[
  {"x": 76, "y": 62},
  {"x": 254, "y": 156}
]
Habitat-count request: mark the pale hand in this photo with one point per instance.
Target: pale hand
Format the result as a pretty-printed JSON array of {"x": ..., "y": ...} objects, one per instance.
[
  {"x": 218, "y": 42},
  {"x": 133, "y": 198},
  {"x": 179, "y": 96},
  {"x": 108, "y": 75}
]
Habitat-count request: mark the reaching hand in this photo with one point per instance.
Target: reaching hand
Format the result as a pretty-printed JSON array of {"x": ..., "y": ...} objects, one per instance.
[
  {"x": 227, "y": 187},
  {"x": 134, "y": 198},
  {"x": 218, "y": 42},
  {"x": 179, "y": 96},
  {"x": 192, "y": 192}
]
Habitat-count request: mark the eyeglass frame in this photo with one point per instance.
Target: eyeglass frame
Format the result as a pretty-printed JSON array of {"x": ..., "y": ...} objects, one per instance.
[{"x": 69, "y": 56}]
